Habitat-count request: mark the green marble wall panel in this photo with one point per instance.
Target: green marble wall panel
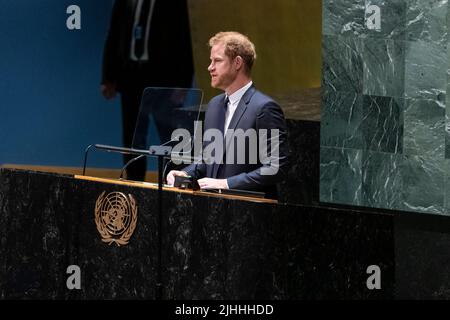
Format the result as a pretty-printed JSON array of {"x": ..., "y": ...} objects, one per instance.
[
  {"x": 340, "y": 175},
  {"x": 381, "y": 180},
  {"x": 382, "y": 123},
  {"x": 383, "y": 67},
  {"x": 341, "y": 119},
  {"x": 424, "y": 128},
  {"x": 393, "y": 19},
  {"x": 425, "y": 70},
  {"x": 423, "y": 184},
  {"x": 447, "y": 106},
  {"x": 343, "y": 17},
  {"x": 342, "y": 63},
  {"x": 385, "y": 130},
  {"x": 447, "y": 185},
  {"x": 426, "y": 20}
]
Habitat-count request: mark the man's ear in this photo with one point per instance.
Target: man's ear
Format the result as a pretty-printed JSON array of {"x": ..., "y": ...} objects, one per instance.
[{"x": 238, "y": 62}]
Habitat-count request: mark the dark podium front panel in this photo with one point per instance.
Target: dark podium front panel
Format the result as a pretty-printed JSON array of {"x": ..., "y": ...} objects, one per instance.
[{"x": 212, "y": 246}]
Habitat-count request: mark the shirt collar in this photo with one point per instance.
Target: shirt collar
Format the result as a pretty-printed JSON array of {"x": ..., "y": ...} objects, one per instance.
[{"x": 237, "y": 95}]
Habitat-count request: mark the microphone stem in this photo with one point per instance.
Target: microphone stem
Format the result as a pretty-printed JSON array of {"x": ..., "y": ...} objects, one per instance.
[{"x": 128, "y": 163}]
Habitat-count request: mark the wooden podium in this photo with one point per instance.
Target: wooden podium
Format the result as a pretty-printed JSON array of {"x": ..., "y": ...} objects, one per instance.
[{"x": 212, "y": 246}]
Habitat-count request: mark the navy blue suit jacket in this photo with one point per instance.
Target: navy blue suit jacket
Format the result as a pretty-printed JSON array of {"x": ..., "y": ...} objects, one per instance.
[{"x": 254, "y": 111}]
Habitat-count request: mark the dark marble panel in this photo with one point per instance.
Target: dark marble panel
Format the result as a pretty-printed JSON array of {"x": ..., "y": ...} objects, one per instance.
[
  {"x": 241, "y": 251},
  {"x": 342, "y": 63},
  {"x": 426, "y": 71},
  {"x": 35, "y": 236},
  {"x": 384, "y": 67},
  {"x": 340, "y": 175},
  {"x": 341, "y": 120},
  {"x": 381, "y": 180},
  {"x": 128, "y": 272},
  {"x": 51, "y": 223},
  {"x": 422, "y": 257},
  {"x": 301, "y": 185},
  {"x": 212, "y": 248},
  {"x": 383, "y": 123},
  {"x": 423, "y": 181},
  {"x": 331, "y": 263},
  {"x": 427, "y": 20},
  {"x": 424, "y": 128},
  {"x": 342, "y": 17},
  {"x": 225, "y": 249}
]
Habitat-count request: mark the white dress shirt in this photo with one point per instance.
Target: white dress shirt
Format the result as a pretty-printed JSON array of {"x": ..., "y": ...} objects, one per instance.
[{"x": 234, "y": 98}]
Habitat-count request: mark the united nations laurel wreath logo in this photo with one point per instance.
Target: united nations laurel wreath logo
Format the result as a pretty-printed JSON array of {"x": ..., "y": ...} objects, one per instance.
[{"x": 115, "y": 217}]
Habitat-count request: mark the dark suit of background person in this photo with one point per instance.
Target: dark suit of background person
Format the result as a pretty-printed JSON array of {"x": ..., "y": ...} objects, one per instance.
[
  {"x": 127, "y": 69},
  {"x": 232, "y": 57}
]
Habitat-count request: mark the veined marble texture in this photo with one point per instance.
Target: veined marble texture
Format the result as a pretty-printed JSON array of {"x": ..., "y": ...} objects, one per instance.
[
  {"x": 343, "y": 17},
  {"x": 426, "y": 67},
  {"x": 393, "y": 18},
  {"x": 342, "y": 63},
  {"x": 340, "y": 175},
  {"x": 384, "y": 67},
  {"x": 381, "y": 180},
  {"x": 447, "y": 186},
  {"x": 427, "y": 20},
  {"x": 424, "y": 128},
  {"x": 341, "y": 119},
  {"x": 447, "y": 109},
  {"x": 382, "y": 123},
  {"x": 385, "y": 130},
  {"x": 401, "y": 19},
  {"x": 423, "y": 179}
]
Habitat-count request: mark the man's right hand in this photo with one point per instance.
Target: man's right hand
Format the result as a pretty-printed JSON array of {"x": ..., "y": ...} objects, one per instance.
[
  {"x": 172, "y": 174},
  {"x": 108, "y": 90}
]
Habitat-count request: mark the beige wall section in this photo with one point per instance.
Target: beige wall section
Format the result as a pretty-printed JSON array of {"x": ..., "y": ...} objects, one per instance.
[{"x": 286, "y": 33}]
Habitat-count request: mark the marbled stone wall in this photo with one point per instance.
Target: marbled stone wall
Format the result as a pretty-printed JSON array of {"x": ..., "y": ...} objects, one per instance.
[{"x": 385, "y": 133}]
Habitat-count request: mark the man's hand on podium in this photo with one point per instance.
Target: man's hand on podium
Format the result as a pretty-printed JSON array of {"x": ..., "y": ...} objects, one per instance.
[
  {"x": 172, "y": 174},
  {"x": 210, "y": 183},
  {"x": 204, "y": 183}
]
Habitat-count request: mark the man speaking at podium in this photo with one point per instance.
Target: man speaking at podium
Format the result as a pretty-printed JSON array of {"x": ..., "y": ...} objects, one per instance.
[{"x": 240, "y": 108}]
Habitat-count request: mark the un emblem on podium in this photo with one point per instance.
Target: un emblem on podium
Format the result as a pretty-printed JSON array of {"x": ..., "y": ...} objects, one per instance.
[{"x": 115, "y": 217}]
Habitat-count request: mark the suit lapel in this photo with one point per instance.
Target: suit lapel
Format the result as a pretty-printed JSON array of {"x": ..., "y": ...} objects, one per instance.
[{"x": 218, "y": 120}]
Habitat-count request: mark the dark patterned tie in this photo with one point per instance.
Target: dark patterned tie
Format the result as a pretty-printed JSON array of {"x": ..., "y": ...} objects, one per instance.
[{"x": 223, "y": 113}]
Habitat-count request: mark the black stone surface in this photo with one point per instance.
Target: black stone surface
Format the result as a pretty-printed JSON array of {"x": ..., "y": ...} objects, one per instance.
[
  {"x": 301, "y": 185},
  {"x": 422, "y": 243},
  {"x": 212, "y": 248}
]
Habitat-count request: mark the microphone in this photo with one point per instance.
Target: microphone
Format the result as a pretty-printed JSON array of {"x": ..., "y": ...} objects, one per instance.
[
  {"x": 128, "y": 163},
  {"x": 121, "y": 149},
  {"x": 112, "y": 149},
  {"x": 135, "y": 151}
]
